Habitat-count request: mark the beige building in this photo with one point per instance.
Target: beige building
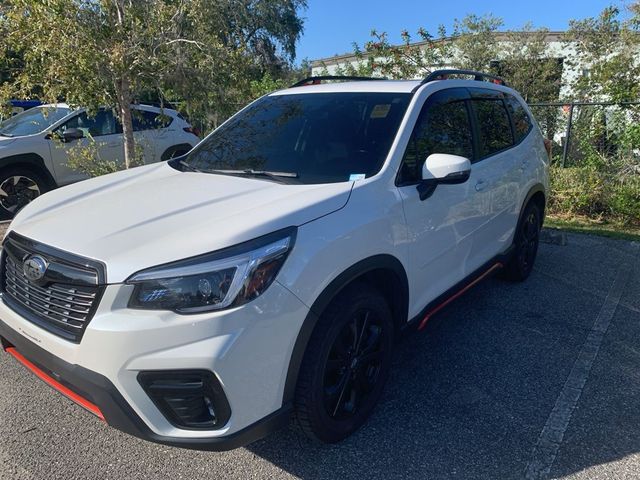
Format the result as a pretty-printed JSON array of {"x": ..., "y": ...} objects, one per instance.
[{"x": 556, "y": 48}]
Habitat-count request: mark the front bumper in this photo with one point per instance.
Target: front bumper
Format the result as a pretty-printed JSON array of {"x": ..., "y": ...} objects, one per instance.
[
  {"x": 98, "y": 391},
  {"x": 248, "y": 349}
]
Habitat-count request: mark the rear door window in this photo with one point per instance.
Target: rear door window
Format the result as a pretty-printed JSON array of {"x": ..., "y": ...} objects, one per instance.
[{"x": 494, "y": 127}]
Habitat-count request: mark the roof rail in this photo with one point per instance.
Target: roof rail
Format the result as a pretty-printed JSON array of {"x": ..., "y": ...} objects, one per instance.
[
  {"x": 478, "y": 76},
  {"x": 318, "y": 80}
]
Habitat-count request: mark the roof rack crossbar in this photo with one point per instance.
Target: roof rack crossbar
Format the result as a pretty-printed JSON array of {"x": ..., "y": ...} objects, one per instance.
[
  {"x": 479, "y": 76},
  {"x": 317, "y": 80}
]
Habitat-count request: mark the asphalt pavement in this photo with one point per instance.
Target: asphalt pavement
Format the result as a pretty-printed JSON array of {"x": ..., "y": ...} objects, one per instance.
[{"x": 532, "y": 380}]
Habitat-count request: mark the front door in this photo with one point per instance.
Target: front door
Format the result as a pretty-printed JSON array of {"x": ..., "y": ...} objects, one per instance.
[
  {"x": 440, "y": 228},
  {"x": 102, "y": 138}
]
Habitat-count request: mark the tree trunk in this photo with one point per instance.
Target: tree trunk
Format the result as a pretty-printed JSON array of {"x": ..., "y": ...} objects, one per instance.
[
  {"x": 123, "y": 88},
  {"x": 127, "y": 123}
]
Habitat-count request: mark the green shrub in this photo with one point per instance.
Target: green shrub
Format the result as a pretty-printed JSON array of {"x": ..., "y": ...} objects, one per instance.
[
  {"x": 598, "y": 193},
  {"x": 577, "y": 191},
  {"x": 85, "y": 157},
  {"x": 625, "y": 200}
]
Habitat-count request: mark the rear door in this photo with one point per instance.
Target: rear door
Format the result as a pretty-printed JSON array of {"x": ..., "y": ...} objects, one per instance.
[
  {"x": 495, "y": 176},
  {"x": 440, "y": 228},
  {"x": 152, "y": 133},
  {"x": 527, "y": 149}
]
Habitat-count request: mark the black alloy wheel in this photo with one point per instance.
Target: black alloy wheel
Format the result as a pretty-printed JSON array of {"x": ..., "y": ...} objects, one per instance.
[
  {"x": 353, "y": 366},
  {"x": 346, "y": 364},
  {"x": 527, "y": 239},
  {"x": 18, "y": 187}
]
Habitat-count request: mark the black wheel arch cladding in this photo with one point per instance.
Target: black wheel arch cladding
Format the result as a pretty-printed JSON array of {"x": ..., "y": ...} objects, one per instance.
[
  {"x": 371, "y": 268},
  {"x": 30, "y": 161},
  {"x": 536, "y": 193}
]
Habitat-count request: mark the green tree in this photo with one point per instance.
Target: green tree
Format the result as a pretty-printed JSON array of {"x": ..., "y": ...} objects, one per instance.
[
  {"x": 106, "y": 52},
  {"x": 476, "y": 44},
  {"x": 379, "y": 57},
  {"x": 527, "y": 64},
  {"x": 521, "y": 56},
  {"x": 608, "y": 46}
]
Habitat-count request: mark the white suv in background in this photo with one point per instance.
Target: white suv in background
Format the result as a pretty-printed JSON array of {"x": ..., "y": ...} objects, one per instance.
[
  {"x": 35, "y": 144},
  {"x": 298, "y": 240}
]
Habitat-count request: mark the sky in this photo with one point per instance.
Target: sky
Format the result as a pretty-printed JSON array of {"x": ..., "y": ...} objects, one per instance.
[{"x": 331, "y": 26}]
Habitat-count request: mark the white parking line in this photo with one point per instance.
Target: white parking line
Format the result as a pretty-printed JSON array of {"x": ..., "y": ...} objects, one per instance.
[{"x": 546, "y": 450}]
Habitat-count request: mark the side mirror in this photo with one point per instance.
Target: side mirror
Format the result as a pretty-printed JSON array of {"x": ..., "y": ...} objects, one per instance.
[
  {"x": 443, "y": 168},
  {"x": 71, "y": 134}
]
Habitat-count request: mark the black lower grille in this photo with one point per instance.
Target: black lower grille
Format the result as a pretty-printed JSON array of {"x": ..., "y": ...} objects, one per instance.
[{"x": 63, "y": 301}]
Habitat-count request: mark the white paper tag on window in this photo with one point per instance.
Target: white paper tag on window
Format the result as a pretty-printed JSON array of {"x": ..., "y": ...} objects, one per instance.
[
  {"x": 356, "y": 176},
  {"x": 380, "y": 111}
]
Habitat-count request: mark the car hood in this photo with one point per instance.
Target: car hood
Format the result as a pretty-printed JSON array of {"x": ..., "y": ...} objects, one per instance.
[
  {"x": 6, "y": 141},
  {"x": 154, "y": 214}
]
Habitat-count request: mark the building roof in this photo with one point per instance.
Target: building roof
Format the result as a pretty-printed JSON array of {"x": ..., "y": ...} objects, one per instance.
[{"x": 555, "y": 36}]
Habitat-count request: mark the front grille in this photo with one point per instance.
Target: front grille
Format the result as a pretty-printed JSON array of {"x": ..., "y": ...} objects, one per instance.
[{"x": 62, "y": 302}]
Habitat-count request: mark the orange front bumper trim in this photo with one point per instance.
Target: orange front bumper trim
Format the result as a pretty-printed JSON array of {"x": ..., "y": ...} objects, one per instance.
[{"x": 83, "y": 402}]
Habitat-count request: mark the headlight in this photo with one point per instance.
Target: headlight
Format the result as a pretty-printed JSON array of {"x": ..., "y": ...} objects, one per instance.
[{"x": 214, "y": 281}]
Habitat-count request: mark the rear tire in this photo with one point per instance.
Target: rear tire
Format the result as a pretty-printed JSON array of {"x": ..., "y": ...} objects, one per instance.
[
  {"x": 19, "y": 186},
  {"x": 526, "y": 241},
  {"x": 346, "y": 365}
]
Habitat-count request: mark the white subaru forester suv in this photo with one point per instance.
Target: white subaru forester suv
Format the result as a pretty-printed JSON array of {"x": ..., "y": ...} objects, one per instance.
[{"x": 267, "y": 274}]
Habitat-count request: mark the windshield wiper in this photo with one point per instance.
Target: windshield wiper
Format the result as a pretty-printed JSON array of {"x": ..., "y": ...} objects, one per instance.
[
  {"x": 5, "y": 134},
  {"x": 277, "y": 176},
  {"x": 186, "y": 166}
]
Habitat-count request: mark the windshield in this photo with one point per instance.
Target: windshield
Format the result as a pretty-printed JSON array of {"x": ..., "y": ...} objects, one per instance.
[
  {"x": 32, "y": 121},
  {"x": 306, "y": 138}
]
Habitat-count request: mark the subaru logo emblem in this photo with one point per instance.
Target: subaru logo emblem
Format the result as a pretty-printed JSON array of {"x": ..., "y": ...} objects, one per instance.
[{"x": 34, "y": 268}]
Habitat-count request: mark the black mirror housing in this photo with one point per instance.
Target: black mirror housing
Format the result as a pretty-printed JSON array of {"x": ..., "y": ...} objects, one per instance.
[{"x": 71, "y": 134}]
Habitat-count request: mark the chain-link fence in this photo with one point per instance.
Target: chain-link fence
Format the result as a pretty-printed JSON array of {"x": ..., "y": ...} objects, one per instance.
[
  {"x": 583, "y": 132},
  {"x": 596, "y": 159}
]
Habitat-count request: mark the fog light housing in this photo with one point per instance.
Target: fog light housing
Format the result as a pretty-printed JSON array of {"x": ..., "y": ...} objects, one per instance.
[{"x": 189, "y": 399}]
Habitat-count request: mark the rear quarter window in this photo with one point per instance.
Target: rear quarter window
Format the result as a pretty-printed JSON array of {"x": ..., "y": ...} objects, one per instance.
[
  {"x": 145, "y": 120},
  {"x": 493, "y": 125},
  {"x": 522, "y": 123}
]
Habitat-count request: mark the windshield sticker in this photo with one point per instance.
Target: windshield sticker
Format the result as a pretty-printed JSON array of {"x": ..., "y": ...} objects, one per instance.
[
  {"x": 356, "y": 176},
  {"x": 380, "y": 111}
]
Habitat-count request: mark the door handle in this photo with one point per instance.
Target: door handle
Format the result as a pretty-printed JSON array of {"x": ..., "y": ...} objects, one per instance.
[{"x": 480, "y": 185}]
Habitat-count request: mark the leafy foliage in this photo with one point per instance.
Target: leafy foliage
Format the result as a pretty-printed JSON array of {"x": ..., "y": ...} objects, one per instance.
[
  {"x": 604, "y": 181},
  {"x": 596, "y": 193},
  {"x": 609, "y": 47},
  {"x": 85, "y": 158},
  {"x": 475, "y": 41},
  {"x": 379, "y": 57},
  {"x": 108, "y": 52}
]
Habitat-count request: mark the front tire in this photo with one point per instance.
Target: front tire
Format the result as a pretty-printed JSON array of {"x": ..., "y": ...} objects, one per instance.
[
  {"x": 526, "y": 241},
  {"x": 18, "y": 187},
  {"x": 346, "y": 364}
]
